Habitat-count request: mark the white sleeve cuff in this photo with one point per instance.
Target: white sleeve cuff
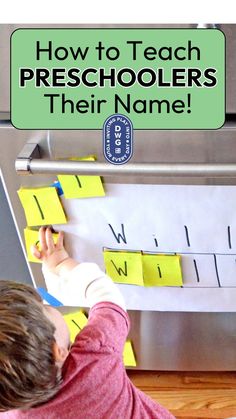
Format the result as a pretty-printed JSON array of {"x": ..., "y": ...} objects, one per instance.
[{"x": 85, "y": 285}]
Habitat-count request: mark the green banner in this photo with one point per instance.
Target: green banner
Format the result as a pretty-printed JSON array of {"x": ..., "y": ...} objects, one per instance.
[{"x": 77, "y": 78}]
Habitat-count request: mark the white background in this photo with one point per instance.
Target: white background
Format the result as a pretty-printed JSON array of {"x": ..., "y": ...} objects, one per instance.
[{"x": 162, "y": 212}]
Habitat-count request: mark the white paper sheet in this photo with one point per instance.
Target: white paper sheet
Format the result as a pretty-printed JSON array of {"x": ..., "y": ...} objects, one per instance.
[{"x": 197, "y": 222}]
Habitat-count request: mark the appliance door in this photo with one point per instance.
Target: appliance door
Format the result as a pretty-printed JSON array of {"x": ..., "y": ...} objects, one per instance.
[{"x": 161, "y": 340}]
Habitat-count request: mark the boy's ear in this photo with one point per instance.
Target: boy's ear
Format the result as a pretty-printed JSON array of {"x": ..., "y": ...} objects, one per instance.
[{"x": 59, "y": 353}]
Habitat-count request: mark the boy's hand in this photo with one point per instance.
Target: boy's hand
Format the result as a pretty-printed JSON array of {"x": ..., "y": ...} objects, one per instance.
[{"x": 54, "y": 256}]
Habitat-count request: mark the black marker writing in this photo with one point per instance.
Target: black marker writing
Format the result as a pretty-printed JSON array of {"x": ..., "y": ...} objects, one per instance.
[
  {"x": 40, "y": 209},
  {"x": 78, "y": 181},
  {"x": 73, "y": 321},
  {"x": 187, "y": 236},
  {"x": 217, "y": 273},
  {"x": 119, "y": 236},
  {"x": 120, "y": 270},
  {"x": 155, "y": 241},
  {"x": 196, "y": 270},
  {"x": 229, "y": 237},
  {"x": 159, "y": 271}
]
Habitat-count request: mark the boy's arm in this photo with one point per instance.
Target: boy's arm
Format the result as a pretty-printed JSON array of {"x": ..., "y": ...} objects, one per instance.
[
  {"x": 68, "y": 280},
  {"x": 84, "y": 281},
  {"x": 66, "y": 276},
  {"x": 108, "y": 323}
]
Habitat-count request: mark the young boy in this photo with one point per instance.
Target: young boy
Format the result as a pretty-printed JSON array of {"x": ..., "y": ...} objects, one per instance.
[{"x": 41, "y": 377}]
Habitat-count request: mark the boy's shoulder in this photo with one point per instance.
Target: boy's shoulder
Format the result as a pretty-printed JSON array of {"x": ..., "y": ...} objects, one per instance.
[{"x": 107, "y": 329}]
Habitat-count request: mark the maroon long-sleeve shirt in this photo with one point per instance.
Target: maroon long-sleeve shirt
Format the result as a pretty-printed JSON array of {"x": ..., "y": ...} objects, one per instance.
[{"x": 95, "y": 383}]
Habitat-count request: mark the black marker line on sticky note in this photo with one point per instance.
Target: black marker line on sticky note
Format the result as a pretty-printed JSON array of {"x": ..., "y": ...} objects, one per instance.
[
  {"x": 73, "y": 321},
  {"x": 159, "y": 271},
  {"x": 187, "y": 235},
  {"x": 217, "y": 273},
  {"x": 120, "y": 270},
  {"x": 39, "y": 208},
  {"x": 196, "y": 270},
  {"x": 229, "y": 237},
  {"x": 78, "y": 181}
]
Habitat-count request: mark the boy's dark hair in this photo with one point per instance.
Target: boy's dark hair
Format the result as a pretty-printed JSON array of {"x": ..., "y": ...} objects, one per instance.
[{"x": 28, "y": 374}]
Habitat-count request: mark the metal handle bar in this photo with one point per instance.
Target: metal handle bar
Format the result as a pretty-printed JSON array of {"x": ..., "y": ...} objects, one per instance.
[{"x": 27, "y": 164}]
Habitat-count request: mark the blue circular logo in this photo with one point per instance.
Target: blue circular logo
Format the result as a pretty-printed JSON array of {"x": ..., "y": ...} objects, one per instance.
[{"x": 118, "y": 139}]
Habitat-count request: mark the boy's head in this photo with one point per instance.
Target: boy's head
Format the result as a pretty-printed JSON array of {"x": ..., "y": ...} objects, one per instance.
[{"x": 34, "y": 343}]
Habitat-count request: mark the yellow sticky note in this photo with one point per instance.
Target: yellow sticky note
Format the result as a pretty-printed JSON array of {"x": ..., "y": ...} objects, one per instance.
[
  {"x": 162, "y": 270},
  {"x": 42, "y": 206},
  {"x": 75, "y": 186},
  {"x": 76, "y": 322},
  {"x": 32, "y": 237},
  {"x": 128, "y": 355},
  {"x": 124, "y": 267}
]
